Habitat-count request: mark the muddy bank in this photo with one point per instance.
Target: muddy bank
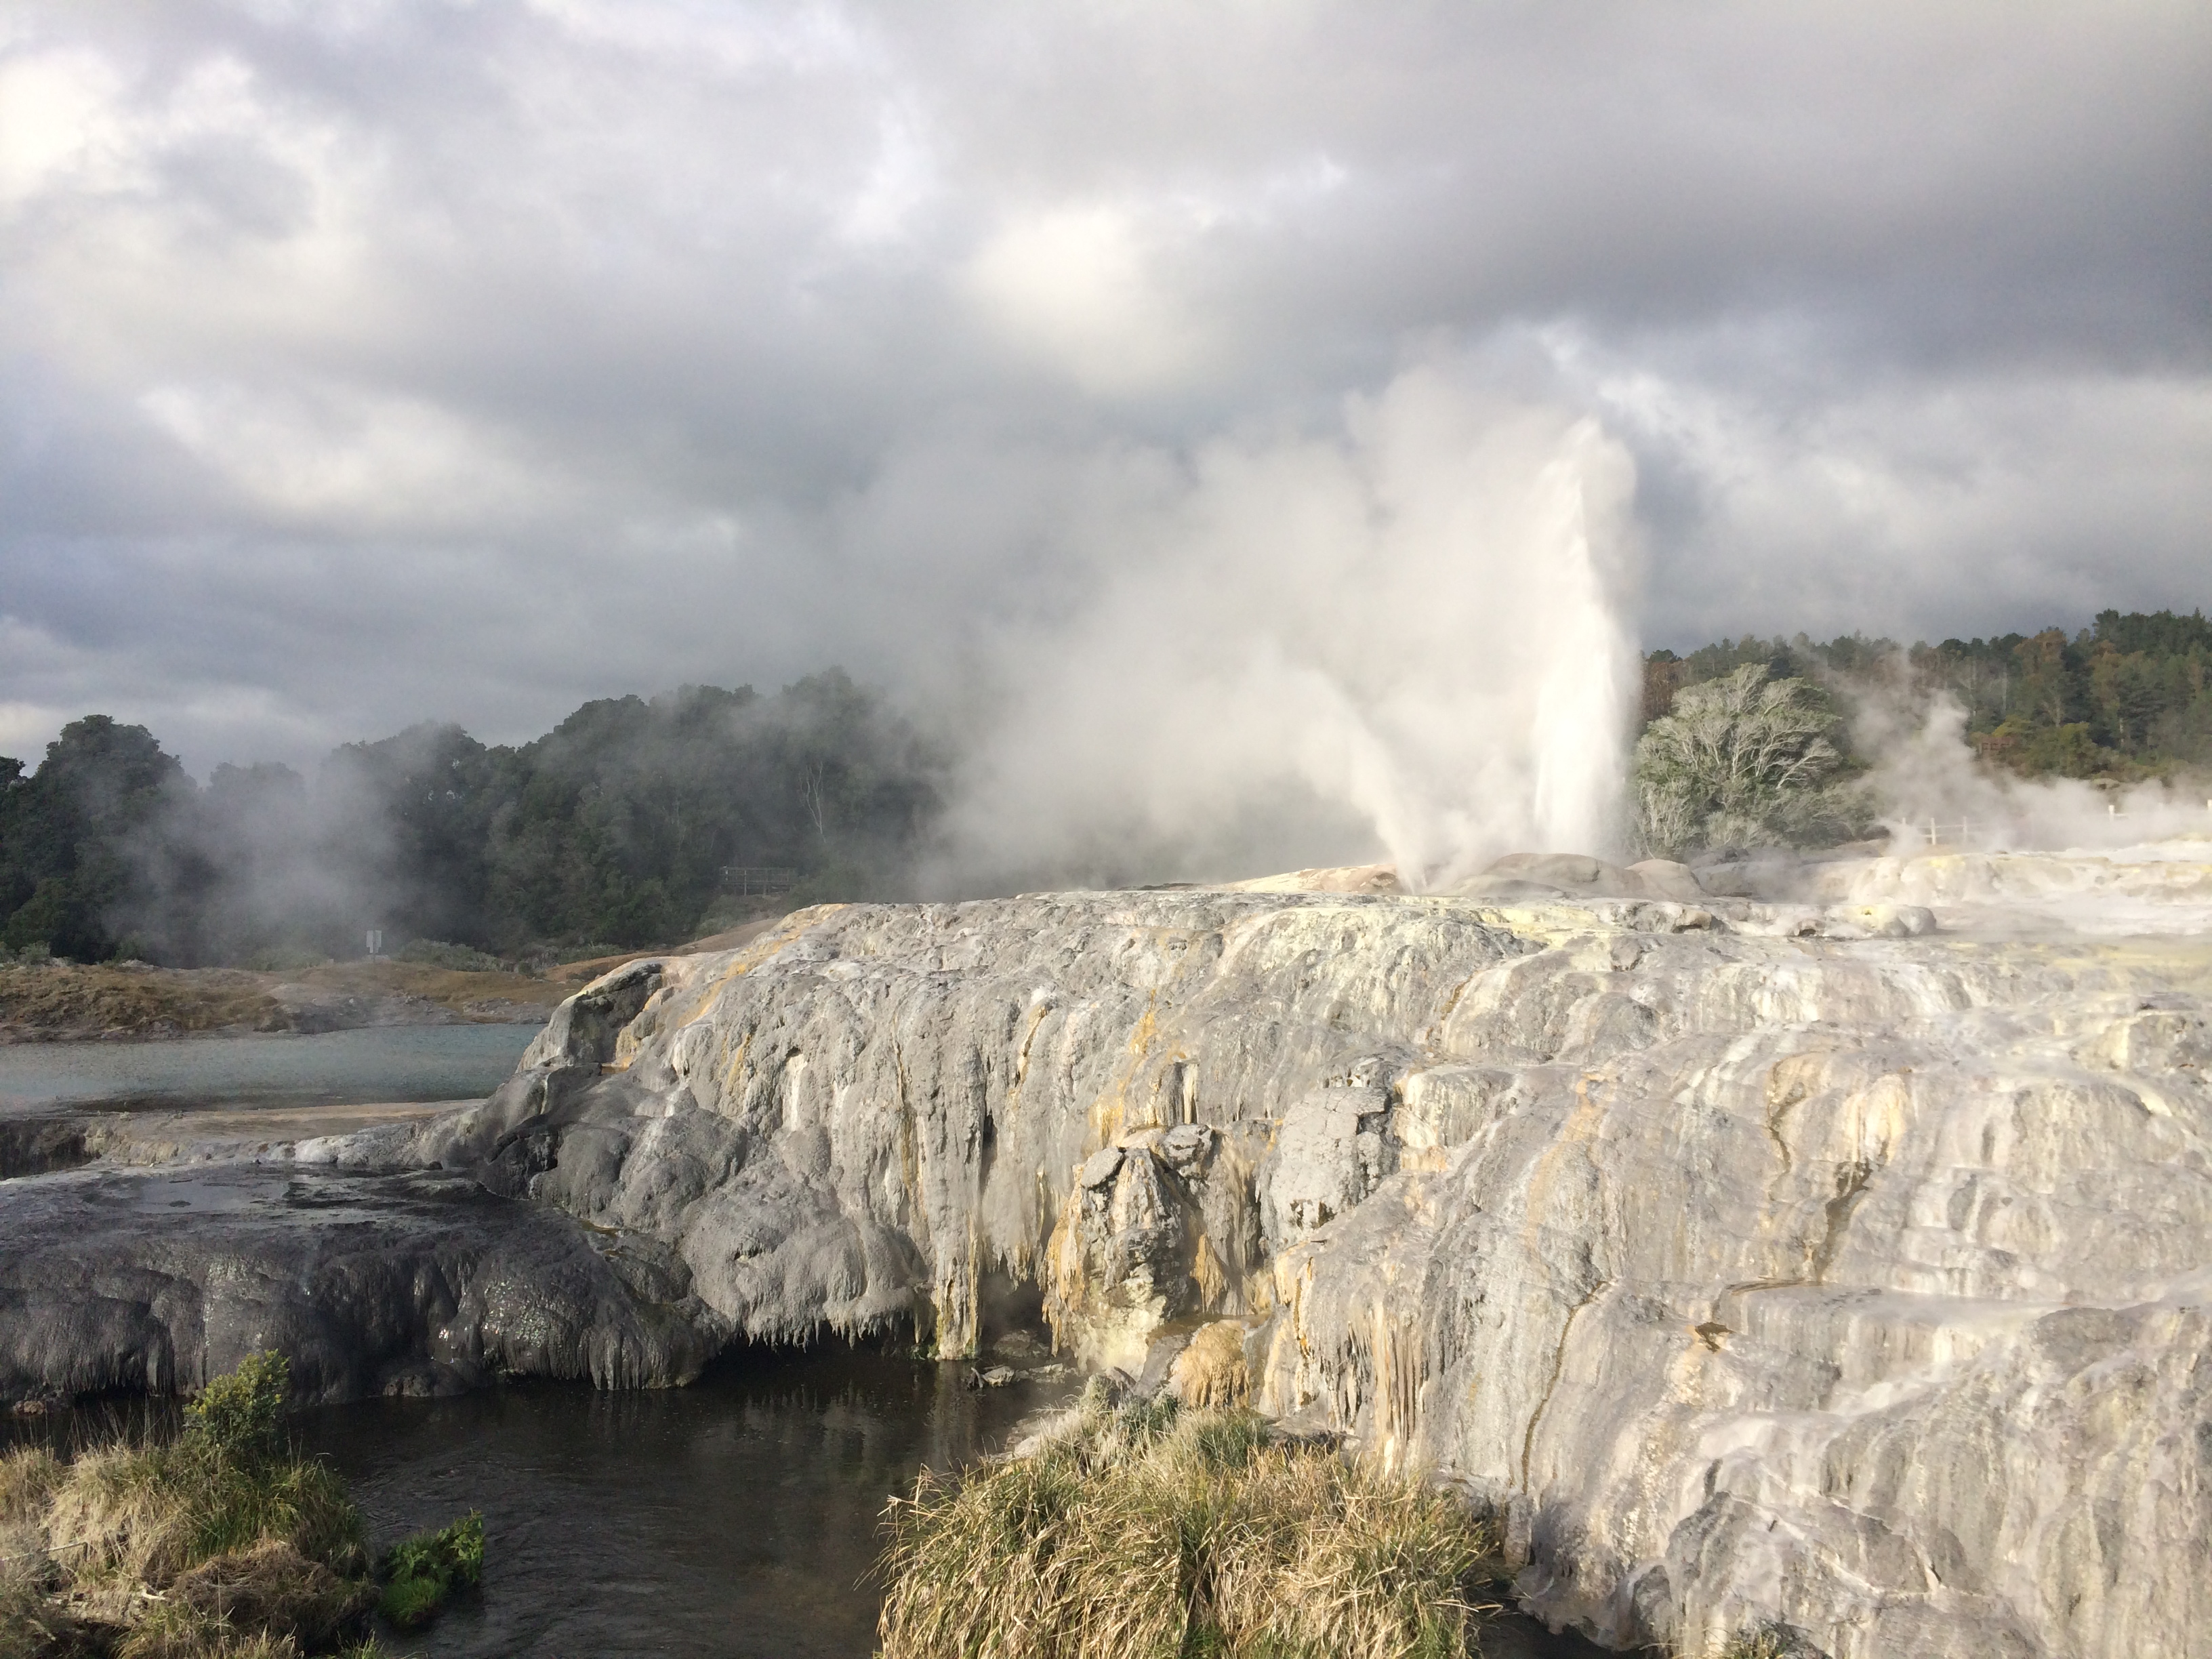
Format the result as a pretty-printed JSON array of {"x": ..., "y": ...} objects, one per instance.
[{"x": 63, "y": 1003}]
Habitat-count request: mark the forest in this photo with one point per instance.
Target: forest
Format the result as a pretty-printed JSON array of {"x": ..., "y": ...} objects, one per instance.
[
  {"x": 2123, "y": 700},
  {"x": 639, "y": 822},
  {"x": 633, "y": 821}
]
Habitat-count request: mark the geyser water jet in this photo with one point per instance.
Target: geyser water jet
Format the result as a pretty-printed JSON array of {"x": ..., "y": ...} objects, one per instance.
[{"x": 1404, "y": 640}]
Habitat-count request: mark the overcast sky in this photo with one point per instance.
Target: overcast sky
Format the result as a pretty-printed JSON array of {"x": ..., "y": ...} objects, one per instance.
[{"x": 365, "y": 360}]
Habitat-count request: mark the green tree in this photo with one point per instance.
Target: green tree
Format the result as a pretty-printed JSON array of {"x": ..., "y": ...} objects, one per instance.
[
  {"x": 1746, "y": 760},
  {"x": 2125, "y": 697},
  {"x": 85, "y": 852}
]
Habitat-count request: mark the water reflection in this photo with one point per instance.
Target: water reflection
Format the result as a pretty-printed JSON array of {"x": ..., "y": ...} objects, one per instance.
[
  {"x": 738, "y": 1517},
  {"x": 381, "y": 1063},
  {"x": 735, "y": 1518}
]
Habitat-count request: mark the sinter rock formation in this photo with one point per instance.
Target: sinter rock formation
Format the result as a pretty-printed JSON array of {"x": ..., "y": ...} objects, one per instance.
[{"x": 1757, "y": 1259}]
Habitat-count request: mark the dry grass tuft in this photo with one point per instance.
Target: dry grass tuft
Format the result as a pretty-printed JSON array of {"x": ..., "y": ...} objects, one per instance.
[
  {"x": 216, "y": 1545},
  {"x": 142, "y": 1515},
  {"x": 269, "y": 1592},
  {"x": 1769, "y": 1641},
  {"x": 1148, "y": 1533},
  {"x": 1210, "y": 1372},
  {"x": 28, "y": 1475}
]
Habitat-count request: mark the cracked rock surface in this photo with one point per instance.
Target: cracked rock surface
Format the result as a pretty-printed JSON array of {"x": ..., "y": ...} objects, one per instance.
[
  {"x": 1859, "y": 1282},
  {"x": 1758, "y": 1261}
]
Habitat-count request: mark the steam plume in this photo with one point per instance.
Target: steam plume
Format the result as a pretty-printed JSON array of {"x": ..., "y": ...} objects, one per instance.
[
  {"x": 1404, "y": 639},
  {"x": 1925, "y": 774}
]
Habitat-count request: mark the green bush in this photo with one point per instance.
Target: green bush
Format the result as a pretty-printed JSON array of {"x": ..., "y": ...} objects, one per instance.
[
  {"x": 408, "y": 1602},
  {"x": 436, "y": 953},
  {"x": 421, "y": 1572},
  {"x": 238, "y": 1417}
]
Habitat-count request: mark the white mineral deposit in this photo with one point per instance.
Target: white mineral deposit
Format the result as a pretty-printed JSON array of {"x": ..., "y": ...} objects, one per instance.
[{"x": 1791, "y": 1257}]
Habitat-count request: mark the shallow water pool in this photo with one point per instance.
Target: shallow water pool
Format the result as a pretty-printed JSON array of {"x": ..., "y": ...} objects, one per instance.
[
  {"x": 377, "y": 1063},
  {"x": 738, "y": 1516},
  {"x": 735, "y": 1519}
]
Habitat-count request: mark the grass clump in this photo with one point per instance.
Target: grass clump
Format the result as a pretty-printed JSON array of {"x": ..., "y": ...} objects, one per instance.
[
  {"x": 421, "y": 1572},
  {"x": 1148, "y": 1533},
  {"x": 1767, "y": 1641},
  {"x": 217, "y": 1544}
]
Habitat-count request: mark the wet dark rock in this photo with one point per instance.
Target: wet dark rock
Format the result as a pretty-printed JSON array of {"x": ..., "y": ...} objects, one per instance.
[
  {"x": 406, "y": 1283},
  {"x": 40, "y": 1145}
]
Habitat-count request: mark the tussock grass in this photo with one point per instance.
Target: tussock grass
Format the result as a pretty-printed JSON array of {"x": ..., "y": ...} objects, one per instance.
[
  {"x": 1769, "y": 1641},
  {"x": 217, "y": 1544},
  {"x": 125, "y": 1518},
  {"x": 268, "y": 1592},
  {"x": 1151, "y": 1533}
]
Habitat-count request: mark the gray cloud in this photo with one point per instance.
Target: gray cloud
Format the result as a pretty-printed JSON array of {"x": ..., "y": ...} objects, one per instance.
[{"x": 366, "y": 362}]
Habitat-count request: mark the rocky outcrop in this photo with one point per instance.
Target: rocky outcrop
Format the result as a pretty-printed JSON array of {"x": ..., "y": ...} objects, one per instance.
[
  {"x": 1756, "y": 1260},
  {"x": 398, "y": 1283}
]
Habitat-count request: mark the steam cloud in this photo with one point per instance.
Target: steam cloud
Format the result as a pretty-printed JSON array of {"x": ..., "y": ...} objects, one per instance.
[
  {"x": 1925, "y": 774},
  {"x": 1406, "y": 640}
]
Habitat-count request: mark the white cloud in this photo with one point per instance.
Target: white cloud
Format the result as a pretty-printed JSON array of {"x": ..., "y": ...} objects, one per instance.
[
  {"x": 1917, "y": 503},
  {"x": 900, "y": 183},
  {"x": 410, "y": 357},
  {"x": 339, "y": 459},
  {"x": 25, "y": 729},
  {"x": 1082, "y": 289},
  {"x": 57, "y": 122}
]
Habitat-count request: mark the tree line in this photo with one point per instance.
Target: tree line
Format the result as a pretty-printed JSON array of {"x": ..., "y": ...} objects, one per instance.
[
  {"x": 639, "y": 821},
  {"x": 2127, "y": 698},
  {"x": 633, "y": 821},
  {"x": 1748, "y": 741}
]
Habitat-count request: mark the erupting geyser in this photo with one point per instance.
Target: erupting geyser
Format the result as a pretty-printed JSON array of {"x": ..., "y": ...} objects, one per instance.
[{"x": 1410, "y": 640}]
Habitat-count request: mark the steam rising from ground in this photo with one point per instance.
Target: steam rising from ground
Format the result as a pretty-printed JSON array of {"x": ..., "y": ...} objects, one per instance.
[
  {"x": 1404, "y": 640},
  {"x": 1925, "y": 777}
]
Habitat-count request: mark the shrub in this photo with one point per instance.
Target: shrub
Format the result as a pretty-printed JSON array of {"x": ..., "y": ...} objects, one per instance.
[
  {"x": 1158, "y": 1534},
  {"x": 214, "y": 1545},
  {"x": 436, "y": 953},
  {"x": 421, "y": 1571},
  {"x": 240, "y": 1416}
]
